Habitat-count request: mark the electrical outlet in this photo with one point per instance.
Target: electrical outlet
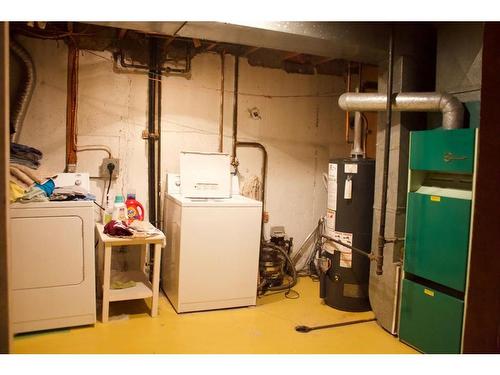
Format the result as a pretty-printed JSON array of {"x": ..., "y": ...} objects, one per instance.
[{"x": 104, "y": 172}]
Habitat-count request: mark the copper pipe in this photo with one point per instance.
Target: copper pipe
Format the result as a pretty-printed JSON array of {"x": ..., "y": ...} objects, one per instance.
[
  {"x": 71, "y": 107},
  {"x": 264, "y": 176},
  {"x": 360, "y": 70},
  {"x": 234, "y": 160},
  {"x": 365, "y": 132},
  {"x": 221, "y": 118}
]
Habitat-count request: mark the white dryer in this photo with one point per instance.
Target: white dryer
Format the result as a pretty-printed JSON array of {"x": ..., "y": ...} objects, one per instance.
[
  {"x": 212, "y": 255},
  {"x": 52, "y": 263}
]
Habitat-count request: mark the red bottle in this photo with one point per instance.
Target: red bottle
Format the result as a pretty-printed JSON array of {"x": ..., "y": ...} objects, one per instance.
[{"x": 135, "y": 211}]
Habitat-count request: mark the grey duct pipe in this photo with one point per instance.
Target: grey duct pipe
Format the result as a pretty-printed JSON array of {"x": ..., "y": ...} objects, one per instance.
[
  {"x": 451, "y": 108},
  {"x": 357, "y": 148},
  {"x": 25, "y": 94}
]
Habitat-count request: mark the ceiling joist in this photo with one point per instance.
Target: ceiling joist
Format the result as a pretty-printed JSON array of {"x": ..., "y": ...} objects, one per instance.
[
  {"x": 211, "y": 47},
  {"x": 250, "y": 50}
]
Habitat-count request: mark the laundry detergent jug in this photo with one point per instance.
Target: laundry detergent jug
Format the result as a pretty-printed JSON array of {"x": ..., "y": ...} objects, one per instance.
[{"x": 135, "y": 211}]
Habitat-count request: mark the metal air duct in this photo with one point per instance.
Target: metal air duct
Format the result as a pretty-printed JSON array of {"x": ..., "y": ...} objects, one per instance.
[
  {"x": 451, "y": 108},
  {"x": 357, "y": 149},
  {"x": 25, "y": 92}
]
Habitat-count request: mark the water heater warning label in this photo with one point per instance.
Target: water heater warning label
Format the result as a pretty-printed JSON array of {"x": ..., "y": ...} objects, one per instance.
[
  {"x": 345, "y": 252},
  {"x": 351, "y": 168},
  {"x": 332, "y": 187},
  {"x": 330, "y": 222}
]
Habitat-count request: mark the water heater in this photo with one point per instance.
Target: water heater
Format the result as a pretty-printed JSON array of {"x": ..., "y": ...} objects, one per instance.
[{"x": 349, "y": 221}]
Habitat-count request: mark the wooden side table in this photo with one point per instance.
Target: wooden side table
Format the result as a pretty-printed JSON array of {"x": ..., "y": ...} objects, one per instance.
[{"x": 143, "y": 288}]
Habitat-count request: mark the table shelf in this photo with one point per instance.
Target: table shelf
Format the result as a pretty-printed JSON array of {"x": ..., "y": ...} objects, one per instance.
[{"x": 142, "y": 289}]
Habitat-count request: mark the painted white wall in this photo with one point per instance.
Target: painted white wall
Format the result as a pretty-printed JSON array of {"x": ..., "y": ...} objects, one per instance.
[{"x": 301, "y": 125}]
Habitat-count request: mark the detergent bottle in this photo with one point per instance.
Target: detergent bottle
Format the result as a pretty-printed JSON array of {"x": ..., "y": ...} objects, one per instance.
[
  {"x": 119, "y": 209},
  {"x": 135, "y": 211}
]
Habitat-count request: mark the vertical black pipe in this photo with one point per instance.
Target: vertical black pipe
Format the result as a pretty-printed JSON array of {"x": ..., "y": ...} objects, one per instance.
[
  {"x": 158, "y": 139},
  {"x": 387, "y": 145},
  {"x": 151, "y": 128}
]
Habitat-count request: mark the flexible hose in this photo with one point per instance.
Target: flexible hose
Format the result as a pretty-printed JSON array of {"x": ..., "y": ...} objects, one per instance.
[
  {"x": 292, "y": 267},
  {"x": 297, "y": 256},
  {"x": 25, "y": 92}
]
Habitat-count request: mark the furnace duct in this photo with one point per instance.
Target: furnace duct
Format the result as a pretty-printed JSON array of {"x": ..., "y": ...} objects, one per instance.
[
  {"x": 25, "y": 92},
  {"x": 451, "y": 108}
]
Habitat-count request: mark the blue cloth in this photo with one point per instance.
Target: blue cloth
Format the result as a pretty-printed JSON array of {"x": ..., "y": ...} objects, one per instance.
[{"x": 48, "y": 187}]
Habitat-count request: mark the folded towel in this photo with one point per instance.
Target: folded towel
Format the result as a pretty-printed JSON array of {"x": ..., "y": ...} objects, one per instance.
[
  {"x": 19, "y": 182},
  {"x": 28, "y": 163},
  {"x": 21, "y": 176},
  {"x": 32, "y": 173},
  {"x": 25, "y": 151}
]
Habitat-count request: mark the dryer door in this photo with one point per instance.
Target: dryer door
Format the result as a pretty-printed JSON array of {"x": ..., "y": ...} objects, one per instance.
[
  {"x": 52, "y": 261},
  {"x": 47, "y": 251}
]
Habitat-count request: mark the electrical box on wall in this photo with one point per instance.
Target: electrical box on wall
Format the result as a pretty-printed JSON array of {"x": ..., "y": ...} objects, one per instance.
[{"x": 108, "y": 165}]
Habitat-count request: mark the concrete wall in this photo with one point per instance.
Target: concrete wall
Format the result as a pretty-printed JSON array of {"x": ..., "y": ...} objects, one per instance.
[
  {"x": 459, "y": 59},
  {"x": 301, "y": 125}
]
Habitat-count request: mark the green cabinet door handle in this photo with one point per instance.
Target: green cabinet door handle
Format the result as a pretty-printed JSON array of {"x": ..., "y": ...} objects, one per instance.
[{"x": 450, "y": 157}]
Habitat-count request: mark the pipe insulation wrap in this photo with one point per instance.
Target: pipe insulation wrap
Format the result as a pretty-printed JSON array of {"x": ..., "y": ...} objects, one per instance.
[
  {"x": 26, "y": 91},
  {"x": 451, "y": 108}
]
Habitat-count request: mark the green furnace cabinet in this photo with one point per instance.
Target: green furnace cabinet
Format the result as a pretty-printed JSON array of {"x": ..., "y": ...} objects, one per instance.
[{"x": 438, "y": 226}]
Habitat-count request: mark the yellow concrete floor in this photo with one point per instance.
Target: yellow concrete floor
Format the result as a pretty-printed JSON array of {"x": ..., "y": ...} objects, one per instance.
[{"x": 266, "y": 328}]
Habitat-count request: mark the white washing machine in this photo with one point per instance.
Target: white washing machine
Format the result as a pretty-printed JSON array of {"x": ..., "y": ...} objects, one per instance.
[
  {"x": 212, "y": 255},
  {"x": 52, "y": 263}
]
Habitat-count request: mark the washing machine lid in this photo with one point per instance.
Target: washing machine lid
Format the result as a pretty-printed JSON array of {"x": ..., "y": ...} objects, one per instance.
[
  {"x": 234, "y": 201},
  {"x": 52, "y": 204}
]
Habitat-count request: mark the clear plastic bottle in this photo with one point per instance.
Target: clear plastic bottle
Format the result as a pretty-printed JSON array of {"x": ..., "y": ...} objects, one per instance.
[{"x": 107, "y": 215}]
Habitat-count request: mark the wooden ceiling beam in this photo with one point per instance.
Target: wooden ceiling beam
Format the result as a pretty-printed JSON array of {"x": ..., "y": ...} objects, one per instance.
[
  {"x": 121, "y": 33},
  {"x": 211, "y": 47},
  {"x": 325, "y": 60},
  {"x": 196, "y": 43},
  {"x": 250, "y": 50},
  {"x": 291, "y": 55}
]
